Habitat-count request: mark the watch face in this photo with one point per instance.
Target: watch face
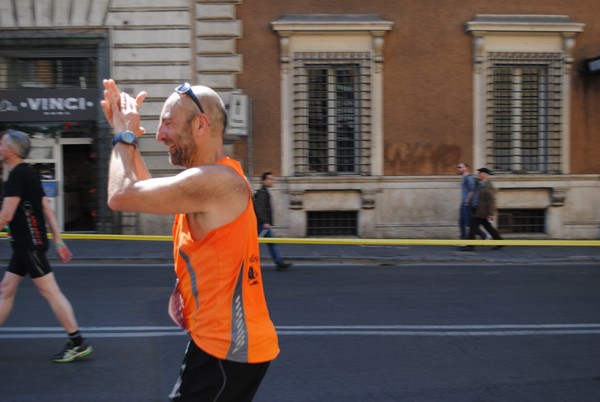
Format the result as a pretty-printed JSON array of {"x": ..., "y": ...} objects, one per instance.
[{"x": 129, "y": 137}]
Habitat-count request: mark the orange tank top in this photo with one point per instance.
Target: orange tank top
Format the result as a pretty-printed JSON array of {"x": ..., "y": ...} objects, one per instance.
[{"x": 220, "y": 281}]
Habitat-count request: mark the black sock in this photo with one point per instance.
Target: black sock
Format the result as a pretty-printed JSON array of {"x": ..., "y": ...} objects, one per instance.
[{"x": 76, "y": 338}]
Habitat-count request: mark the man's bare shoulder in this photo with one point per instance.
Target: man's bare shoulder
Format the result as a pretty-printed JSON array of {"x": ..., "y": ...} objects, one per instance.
[
  {"x": 213, "y": 184},
  {"x": 224, "y": 197},
  {"x": 217, "y": 174}
]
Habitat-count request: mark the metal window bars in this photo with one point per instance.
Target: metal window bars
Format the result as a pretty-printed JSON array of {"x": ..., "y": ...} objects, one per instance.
[
  {"x": 332, "y": 113},
  {"x": 524, "y": 112},
  {"x": 47, "y": 72},
  {"x": 331, "y": 223},
  {"x": 521, "y": 220}
]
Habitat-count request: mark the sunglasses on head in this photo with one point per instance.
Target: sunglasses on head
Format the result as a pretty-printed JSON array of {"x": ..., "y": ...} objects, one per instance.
[{"x": 186, "y": 89}]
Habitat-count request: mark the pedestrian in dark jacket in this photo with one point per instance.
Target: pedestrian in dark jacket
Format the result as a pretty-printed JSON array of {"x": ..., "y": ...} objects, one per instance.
[
  {"x": 264, "y": 216},
  {"x": 484, "y": 208},
  {"x": 467, "y": 187}
]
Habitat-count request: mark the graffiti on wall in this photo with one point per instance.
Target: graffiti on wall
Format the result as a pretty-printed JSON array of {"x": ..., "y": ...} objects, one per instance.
[{"x": 416, "y": 158}]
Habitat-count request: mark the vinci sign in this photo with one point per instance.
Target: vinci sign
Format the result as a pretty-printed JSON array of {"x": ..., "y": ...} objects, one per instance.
[{"x": 27, "y": 105}]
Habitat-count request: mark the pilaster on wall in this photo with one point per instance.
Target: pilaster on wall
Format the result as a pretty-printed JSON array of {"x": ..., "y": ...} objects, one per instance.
[{"x": 216, "y": 31}]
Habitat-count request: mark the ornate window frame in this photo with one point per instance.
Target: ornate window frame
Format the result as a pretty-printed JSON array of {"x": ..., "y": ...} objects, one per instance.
[
  {"x": 331, "y": 33},
  {"x": 494, "y": 33}
]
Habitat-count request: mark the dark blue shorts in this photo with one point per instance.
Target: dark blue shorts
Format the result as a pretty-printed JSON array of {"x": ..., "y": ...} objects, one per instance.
[{"x": 32, "y": 262}]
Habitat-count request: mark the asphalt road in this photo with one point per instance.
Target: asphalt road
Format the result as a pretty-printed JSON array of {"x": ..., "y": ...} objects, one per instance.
[{"x": 347, "y": 332}]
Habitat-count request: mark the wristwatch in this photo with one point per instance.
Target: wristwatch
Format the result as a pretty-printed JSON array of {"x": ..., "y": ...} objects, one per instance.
[{"x": 126, "y": 137}]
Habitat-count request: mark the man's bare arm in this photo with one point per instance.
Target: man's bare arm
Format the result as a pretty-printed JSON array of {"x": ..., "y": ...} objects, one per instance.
[
  {"x": 9, "y": 206},
  {"x": 194, "y": 190},
  {"x": 61, "y": 249}
]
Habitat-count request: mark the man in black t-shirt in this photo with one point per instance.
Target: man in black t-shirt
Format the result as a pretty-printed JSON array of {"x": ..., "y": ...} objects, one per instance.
[{"x": 26, "y": 210}]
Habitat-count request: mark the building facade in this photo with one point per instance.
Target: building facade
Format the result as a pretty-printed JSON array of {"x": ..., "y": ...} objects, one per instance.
[{"x": 362, "y": 110}]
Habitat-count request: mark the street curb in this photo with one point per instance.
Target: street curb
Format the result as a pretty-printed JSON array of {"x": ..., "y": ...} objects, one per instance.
[{"x": 379, "y": 261}]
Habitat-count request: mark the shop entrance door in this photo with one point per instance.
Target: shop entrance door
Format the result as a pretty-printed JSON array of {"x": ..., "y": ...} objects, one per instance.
[
  {"x": 65, "y": 166},
  {"x": 79, "y": 185}
]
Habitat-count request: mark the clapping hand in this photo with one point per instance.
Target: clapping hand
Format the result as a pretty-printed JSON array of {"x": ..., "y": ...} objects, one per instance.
[{"x": 122, "y": 110}]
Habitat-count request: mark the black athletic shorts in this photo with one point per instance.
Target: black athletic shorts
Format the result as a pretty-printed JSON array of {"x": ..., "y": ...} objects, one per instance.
[
  {"x": 206, "y": 378},
  {"x": 32, "y": 262}
]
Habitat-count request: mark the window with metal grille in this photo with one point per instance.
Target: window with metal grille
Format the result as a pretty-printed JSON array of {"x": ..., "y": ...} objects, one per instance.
[
  {"x": 45, "y": 72},
  {"x": 524, "y": 112},
  {"x": 521, "y": 220},
  {"x": 332, "y": 223},
  {"x": 332, "y": 113}
]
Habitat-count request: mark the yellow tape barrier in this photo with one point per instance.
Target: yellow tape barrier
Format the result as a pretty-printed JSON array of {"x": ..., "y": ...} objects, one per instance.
[{"x": 353, "y": 241}]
